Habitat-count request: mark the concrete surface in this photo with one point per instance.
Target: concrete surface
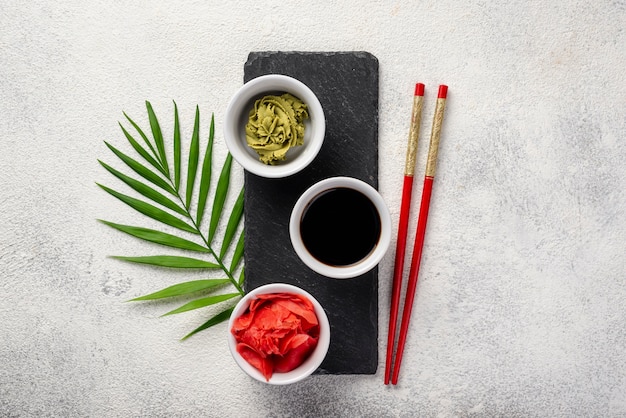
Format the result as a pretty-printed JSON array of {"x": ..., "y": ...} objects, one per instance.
[{"x": 520, "y": 306}]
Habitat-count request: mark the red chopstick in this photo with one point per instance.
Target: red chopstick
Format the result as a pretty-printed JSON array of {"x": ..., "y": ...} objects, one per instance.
[
  {"x": 403, "y": 225},
  {"x": 421, "y": 227}
]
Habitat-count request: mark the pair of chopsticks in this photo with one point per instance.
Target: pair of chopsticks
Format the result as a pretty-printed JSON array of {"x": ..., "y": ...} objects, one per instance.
[{"x": 409, "y": 171}]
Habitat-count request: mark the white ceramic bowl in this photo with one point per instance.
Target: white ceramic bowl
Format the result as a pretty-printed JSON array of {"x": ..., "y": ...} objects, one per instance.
[
  {"x": 237, "y": 114},
  {"x": 352, "y": 270},
  {"x": 310, "y": 364}
]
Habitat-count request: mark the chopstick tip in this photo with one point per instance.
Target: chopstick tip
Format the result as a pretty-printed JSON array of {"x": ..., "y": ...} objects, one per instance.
[
  {"x": 443, "y": 91},
  {"x": 419, "y": 89}
]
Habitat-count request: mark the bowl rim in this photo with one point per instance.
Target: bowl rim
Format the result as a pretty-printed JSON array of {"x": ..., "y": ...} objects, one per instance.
[
  {"x": 353, "y": 270},
  {"x": 311, "y": 364},
  {"x": 239, "y": 103}
]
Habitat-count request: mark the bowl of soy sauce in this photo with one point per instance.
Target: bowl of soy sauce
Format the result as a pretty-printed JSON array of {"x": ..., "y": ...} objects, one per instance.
[{"x": 340, "y": 227}]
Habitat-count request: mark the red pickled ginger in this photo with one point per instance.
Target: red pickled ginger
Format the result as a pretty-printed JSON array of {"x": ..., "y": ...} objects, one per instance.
[{"x": 277, "y": 333}]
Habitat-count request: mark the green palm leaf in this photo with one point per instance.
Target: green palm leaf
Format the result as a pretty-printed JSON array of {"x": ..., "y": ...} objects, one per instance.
[
  {"x": 170, "y": 261},
  {"x": 176, "y": 149},
  {"x": 182, "y": 289},
  {"x": 220, "y": 197},
  {"x": 238, "y": 254},
  {"x": 153, "y": 154},
  {"x": 233, "y": 222},
  {"x": 217, "y": 319},
  {"x": 202, "y": 302},
  {"x": 142, "y": 170},
  {"x": 205, "y": 178},
  {"x": 158, "y": 237},
  {"x": 158, "y": 138},
  {"x": 194, "y": 151},
  {"x": 242, "y": 276},
  {"x": 141, "y": 150},
  {"x": 145, "y": 138},
  {"x": 145, "y": 190},
  {"x": 151, "y": 211}
]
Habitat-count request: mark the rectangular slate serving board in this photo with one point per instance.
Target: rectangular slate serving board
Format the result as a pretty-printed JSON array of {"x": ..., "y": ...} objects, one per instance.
[{"x": 346, "y": 84}]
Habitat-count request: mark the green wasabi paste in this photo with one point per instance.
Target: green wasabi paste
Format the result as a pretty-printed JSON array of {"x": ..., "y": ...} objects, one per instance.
[{"x": 275, "y": 124}]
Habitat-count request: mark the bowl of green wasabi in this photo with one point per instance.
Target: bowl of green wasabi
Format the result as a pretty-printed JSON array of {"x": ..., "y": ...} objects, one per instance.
[{"x": 274, "y": 126}]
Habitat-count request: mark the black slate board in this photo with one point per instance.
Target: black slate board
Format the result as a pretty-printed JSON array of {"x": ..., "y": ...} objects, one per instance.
[{"x": 346, "y": 84}]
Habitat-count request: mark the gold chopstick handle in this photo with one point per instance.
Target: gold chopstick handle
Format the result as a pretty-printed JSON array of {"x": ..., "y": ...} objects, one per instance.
[
  {"x": 414, "y": 132},
  {"x": 435, "y": 135}
]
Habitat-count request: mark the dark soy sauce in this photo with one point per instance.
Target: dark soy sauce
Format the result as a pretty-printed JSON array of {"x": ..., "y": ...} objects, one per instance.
[{"x": 340, "y": 227}]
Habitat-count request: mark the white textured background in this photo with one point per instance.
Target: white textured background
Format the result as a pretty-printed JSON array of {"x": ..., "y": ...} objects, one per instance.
[{"x": 520, "y": 306}]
